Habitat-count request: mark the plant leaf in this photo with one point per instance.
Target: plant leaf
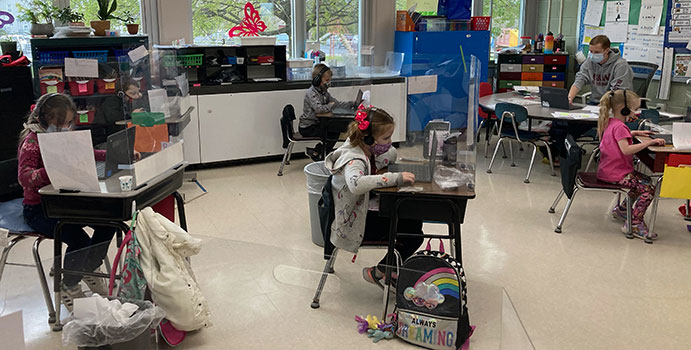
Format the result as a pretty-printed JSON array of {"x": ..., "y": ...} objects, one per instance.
[{"x": 113, "y": 7}]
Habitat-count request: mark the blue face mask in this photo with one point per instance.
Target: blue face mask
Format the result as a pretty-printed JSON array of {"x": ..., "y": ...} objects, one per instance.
[
  {"x": 596, "y": 57},
  {"x": 53, "y": 128}
]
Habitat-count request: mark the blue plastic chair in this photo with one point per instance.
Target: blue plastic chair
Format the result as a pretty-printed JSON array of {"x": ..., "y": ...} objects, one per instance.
[
  {"x": 649, "y": 116},
  {"x": 514, "y": 115}
]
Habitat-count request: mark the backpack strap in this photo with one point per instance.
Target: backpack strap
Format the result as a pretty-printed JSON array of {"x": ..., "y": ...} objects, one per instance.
[
  {"x": 429, "y": 244},
  {"x": 116, "y": 261}
]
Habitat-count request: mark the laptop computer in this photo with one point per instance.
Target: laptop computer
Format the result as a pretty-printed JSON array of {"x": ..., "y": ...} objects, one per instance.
[
  {"x": 556, "y": 98},
  {"x": 422, "y": 172},
  {"x": 349, "y": 111},
  {"x": 119, "y": 150},
  {"x": 666, "y": 137}
]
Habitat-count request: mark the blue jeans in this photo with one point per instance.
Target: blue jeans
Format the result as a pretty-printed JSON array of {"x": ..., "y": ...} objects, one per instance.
[{"x": 83, "y": 253}]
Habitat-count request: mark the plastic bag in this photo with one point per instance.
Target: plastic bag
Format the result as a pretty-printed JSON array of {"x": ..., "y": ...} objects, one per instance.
[
  {"x": 317, "y": 174},
  {"x": 450, "y": 178},
  {"x": 92, "y": 332}
]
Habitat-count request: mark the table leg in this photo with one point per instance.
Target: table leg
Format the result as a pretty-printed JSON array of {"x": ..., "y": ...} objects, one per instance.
[
  {"x": 653, "y": 209},
  {"x": 325, "y": 135},
  {"x": 687, "y": 217},
  {"x": 393, "y": 228},
  {"x": 57, "y": 277}
]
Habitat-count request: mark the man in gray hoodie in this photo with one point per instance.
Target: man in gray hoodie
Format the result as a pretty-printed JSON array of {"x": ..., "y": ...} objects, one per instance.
[{"x": 604, "y": 70}]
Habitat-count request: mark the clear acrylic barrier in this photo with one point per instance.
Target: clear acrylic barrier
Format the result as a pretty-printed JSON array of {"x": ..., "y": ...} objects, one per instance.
[
  {"x": 249, "y": 285},
  {"x": 443, "y": 101}
]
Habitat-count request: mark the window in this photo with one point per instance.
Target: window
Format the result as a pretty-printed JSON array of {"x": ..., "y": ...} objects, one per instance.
[
  {"x": 212, "y": 19},
  {"x": 17, "y": 31},
  {"x": 506, "y": 21},
  {"x": 338, "y": 28},
  {"x": 90, "y": 9}
]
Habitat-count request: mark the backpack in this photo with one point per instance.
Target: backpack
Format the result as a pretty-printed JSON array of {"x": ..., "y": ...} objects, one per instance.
[
  {"x": 326, "y": 216},
  {"x": 431, "y": 302}
]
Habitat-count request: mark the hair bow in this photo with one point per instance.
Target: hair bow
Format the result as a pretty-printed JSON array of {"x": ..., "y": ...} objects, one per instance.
[{"x": 361, "y": 117}]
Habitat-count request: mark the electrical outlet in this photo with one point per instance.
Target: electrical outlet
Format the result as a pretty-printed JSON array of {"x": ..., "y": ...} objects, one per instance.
[{"x": 660, "y": 107}]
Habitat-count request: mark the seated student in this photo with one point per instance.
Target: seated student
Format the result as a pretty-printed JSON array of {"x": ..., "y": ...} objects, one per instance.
[
  {"x": 358, "y": 168},
  {"x": 128, "y": 100},
  {"x": 319, "y": 101},
  {"x": 604, "y": 70},
  {"x": 56, "y": 113}
]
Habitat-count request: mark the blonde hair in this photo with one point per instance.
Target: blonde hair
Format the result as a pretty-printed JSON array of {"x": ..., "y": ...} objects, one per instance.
[
  {"x": 610, "y": 101},
  {"x": 380, "y": 121}
]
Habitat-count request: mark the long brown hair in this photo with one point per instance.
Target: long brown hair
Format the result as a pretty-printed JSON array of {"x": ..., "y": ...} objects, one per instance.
[
  {"x": 379, "y": 120},
  {"x": 610, "y": 101},
  {"x": 50, "y": 109}
]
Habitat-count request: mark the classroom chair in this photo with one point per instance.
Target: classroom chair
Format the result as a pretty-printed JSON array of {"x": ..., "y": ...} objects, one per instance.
[
  {"x": 648, "y": 116},
  {"x": 515, "y": 114},
  {"x": 290, "y": 137},
  {"x": 12, "y": 220},
  {"x": 489, "y": 119},
  {"x": 573, "y": 181}
]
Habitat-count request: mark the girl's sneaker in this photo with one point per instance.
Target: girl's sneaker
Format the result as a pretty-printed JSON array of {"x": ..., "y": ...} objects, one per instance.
[
  {"x": 640, "y": 230},
  {"x": 370, "y": 275},
  {"x": 619, "y": 213},
  {"x": 69, "y": 294},
  {"x": 96, "y": 284}
]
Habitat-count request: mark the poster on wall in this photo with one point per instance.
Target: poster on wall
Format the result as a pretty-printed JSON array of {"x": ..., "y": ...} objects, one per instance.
[
  {"x": 682, "y": 65},
  {"x": 649, "y": 18},
  {"x": 593, "y": 13},
  {"x": 617, "y": 11},
  {"x": 680, "y": 23}
]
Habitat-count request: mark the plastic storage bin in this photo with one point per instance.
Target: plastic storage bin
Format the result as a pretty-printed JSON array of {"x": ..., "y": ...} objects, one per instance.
[
  {"x": 317, "y": 174},
  {"x": 100, "y": 55},
  {"x": 106, "y": 86},
  {"x": 460, "y": 25},
  {"x": 85, "y": 117},
  {"x": 52, "y": 86},
  {"x": 52, "y": 57},
  {"x": 299, "y": 74},
  {"x": 81, "y": 87}
]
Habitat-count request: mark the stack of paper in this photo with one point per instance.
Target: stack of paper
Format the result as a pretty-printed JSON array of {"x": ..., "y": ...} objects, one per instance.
[
  {"x": 681, "y": 136},
  {"x": 519, "y": 101},
  {"x": 535, "y": 89},
  {"x": 72, "y": 31}
]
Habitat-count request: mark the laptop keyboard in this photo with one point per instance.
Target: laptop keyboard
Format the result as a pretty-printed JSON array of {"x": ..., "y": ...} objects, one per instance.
[{"x": 421, "y": 171}]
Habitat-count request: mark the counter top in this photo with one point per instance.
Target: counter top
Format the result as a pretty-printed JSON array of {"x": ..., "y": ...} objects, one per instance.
[{"x": 287, "y": 85}]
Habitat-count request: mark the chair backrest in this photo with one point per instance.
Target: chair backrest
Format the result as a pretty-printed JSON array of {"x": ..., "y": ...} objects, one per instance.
[
  {"x": 287, "y": 118},
  {"x": 9, "y": 186},
  {"x": 569, "y": 166},
  {"x": 643, "y": 73},
  {"x": 511, "y": 111},
  {"x": 485, "y": 89},
  {"x": 651, "y": 115}
]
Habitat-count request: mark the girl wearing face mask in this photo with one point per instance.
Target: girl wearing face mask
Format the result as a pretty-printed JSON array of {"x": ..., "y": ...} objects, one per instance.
[
  {"x": 56, "y": 113},
  {"x": 357, "y": 168},
  {"x": 319, "y": 101}
]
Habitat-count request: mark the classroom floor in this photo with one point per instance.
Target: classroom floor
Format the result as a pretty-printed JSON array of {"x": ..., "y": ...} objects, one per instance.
[{"x": 588, "y": 288}]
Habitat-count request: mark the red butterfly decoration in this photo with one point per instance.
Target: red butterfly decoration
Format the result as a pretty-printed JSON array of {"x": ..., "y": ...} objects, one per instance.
[{"x": 251, "y": 25}]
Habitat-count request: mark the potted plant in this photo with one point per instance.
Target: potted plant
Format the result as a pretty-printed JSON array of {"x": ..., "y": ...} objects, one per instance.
[
  {"x": 8, "y": 46},
  {"x": 106, "y": 8},
  {"x": 130, "y": 20},
  {"x": 71, "y": 17},
  {"x": 40, "y": 14}
]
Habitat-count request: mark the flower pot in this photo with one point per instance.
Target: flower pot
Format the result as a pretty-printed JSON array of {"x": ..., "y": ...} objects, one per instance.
[
  {"x": 42, "y": 29},
  {"x": 133, "y": 29},
  {"x": 8, "y": 47},
  {"x": 100, "y": 27},
  {"x": 76, "y": 24}
]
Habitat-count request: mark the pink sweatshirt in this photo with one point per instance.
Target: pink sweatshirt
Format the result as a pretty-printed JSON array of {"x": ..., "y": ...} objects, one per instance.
[{"x": 32, "y": 175}]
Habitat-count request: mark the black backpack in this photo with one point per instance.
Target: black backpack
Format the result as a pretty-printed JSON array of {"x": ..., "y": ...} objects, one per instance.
[
  {"x": 431, "y": 301},
  {"x": 327, "y": 214}
]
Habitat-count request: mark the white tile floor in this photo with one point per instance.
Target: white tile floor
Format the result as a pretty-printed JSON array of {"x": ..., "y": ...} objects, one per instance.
[{"x": 588, "y": 288}]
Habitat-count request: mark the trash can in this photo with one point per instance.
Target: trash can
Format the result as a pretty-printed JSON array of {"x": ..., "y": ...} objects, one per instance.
[{"x": 316, "y": 174}]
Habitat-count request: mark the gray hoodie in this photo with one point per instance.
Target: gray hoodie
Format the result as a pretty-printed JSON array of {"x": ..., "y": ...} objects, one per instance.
[
  {"x": 317, "y": 101},
  {"x": 615, "y": 74},
  {"x": 352, "y": 184}
]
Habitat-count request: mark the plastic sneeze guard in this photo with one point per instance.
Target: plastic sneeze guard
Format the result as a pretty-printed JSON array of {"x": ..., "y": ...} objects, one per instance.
[{"x": 150, "y": 167}]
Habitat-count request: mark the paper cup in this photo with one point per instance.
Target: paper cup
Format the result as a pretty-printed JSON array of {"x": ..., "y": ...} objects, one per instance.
[{"x": 125, "y": 183}]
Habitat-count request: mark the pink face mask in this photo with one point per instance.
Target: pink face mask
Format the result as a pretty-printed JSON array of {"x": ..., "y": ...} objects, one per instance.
[{"x": 379, "y": 149}]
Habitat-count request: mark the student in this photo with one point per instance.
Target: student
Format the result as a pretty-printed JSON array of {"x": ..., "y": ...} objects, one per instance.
[
  {"x": 616, "y": 157},
  {"x": 319, "y": 101},
  {"x": 119, "y": 107},
  {"x": 358, "y": 167},
  {"x": 55, "y": 113},
  {"x": 604, "y": 70}
]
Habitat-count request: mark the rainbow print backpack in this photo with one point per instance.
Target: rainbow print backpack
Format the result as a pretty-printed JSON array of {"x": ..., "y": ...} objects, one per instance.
[{"x": 431, "y": 301}]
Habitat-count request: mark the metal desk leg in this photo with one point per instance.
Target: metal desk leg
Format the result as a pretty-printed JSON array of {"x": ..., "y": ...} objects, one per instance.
[
  {"x": 57, "y": 277},
  {"x": 653, "y": 209},
  {"x": 393, "y": 228},
  {"x": 687, "y": 217},
  {"x": 181, "y": 209}
]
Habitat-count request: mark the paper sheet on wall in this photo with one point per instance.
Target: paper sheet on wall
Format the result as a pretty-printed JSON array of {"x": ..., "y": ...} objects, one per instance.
[
  {"x": 138, "y": 53},
  {"x": 681, "y": 136},
  {"x": 616, "y": 31},
  {"x": 682, "y": 65},
  {"x": 12, "y": 331},
  {"x": 422, "y": 84},
  {"x": 617, "y": 11},
  {"x": 158, "y": 101},
  {"x": 666, "y": 77},
  {"x": 81, "y": 67},
  {"x": 69, "y": 160},
  {"x": 590, "y": 31},
  {"x": 680, "y": 23},
  {"x": 593, "y": 13},
  {"x": 649, "y": 18}
]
